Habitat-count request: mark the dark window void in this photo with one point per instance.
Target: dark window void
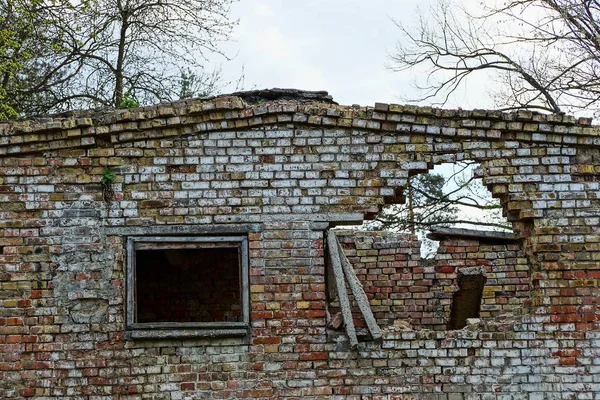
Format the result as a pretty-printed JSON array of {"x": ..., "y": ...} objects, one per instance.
[
  {"x": 199, "y": 284},
  {"x": 467, "y": 299}
]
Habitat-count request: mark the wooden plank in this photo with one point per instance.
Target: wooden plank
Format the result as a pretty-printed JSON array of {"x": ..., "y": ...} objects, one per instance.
[
  {"x": 186, "y": 239},
  {"x": 183, "y": 245},
  {"x": 186, "y": 325},
  {"x": 359, "y": 293},
  {"x": 334, "y": 257},
  {"x": 245, "y": 274},
  {"x": 183, "y": 333},
  {"x": 130, "y": 283}
]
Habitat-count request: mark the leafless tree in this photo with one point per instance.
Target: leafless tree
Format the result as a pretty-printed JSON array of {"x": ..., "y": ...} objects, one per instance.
[
  {"x": 141, "y": 47},
  {"x": 436, "y": 200},
  {"x": 544, "y": 54}
]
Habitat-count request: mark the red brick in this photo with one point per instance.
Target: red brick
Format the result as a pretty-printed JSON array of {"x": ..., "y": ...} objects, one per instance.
[
  {"x": 187, "y": 386},
  {"x": 27, "y": 392},
  {"x": 314, "y": 356},
  {"x": 14, "y": 339}
]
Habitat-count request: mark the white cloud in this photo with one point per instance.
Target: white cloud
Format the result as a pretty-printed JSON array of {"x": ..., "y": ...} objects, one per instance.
[
  {"x": 341, "y": 46},
  {"x": 264, "y": 10}
]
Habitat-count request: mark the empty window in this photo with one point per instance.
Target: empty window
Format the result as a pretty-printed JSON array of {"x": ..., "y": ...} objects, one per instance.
[{"x": 187, "y": 286}]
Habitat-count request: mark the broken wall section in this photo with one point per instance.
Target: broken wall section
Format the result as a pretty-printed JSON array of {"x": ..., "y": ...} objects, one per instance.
[
  {"x": 499, "y": 255},
  {"x": 408, "y": 291},
  {"x": 390, "y": 268}
]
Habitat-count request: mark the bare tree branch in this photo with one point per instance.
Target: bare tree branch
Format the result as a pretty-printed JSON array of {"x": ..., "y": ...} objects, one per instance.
[
  {"x": 544, "y": 53},
  {"x": 60, "y": 54},
  {"x": 442, "y": 200}
]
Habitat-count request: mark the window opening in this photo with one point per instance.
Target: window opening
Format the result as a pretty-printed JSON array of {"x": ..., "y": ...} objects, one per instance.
[{"x": 177, "y": 283}]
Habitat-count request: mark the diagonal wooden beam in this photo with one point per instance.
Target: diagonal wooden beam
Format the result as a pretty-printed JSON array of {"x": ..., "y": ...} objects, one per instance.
[
  {"x": 340, "y": 284},
  {"x": 359, "y": 294}
]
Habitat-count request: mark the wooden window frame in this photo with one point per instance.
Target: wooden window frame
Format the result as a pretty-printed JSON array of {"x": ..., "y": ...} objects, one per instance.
[{"x": 154, "y": 330}]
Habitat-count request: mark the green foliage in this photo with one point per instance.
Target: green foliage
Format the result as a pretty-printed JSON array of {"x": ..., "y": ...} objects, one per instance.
[
  {"x": 128, "y": 101},
  {"x": 107, "y": 176},
  {"x": 58, "y": 55},
  {"x": 107, "y": 179},
  {"x": 36, "y": 54},
  {"x": 6, "y": 110},
  {"x": 187, "y": 81},
  {"x": 197, "y": 83}
]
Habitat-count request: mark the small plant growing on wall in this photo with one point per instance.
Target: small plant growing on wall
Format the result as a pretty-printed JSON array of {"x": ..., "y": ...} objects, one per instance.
[
  {"x": 128, "y": 101},
  {"x": 107, "y": 179}
]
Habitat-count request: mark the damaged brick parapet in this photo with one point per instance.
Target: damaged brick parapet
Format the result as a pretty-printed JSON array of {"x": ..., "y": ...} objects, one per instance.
[
  {"x": 267, "y": 180},
  {"x": 82, "y": 129}
]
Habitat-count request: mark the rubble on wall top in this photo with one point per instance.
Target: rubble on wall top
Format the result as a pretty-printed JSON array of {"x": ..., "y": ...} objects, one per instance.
[
  {"x": 276, "y": 100},
  {"x": 275, "y": 94}
]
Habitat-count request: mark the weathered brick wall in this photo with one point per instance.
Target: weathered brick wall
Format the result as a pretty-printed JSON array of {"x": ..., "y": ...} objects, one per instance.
[
  {"x": 282, "y": 173},
  {"x": 501, "y": 259},
  {"x": 401, "y": 286},
  {"x": 396, "y": 280}
]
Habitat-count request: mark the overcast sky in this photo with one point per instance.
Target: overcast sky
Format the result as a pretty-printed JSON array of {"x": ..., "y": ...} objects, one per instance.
[{"x": 341, "y": 46}]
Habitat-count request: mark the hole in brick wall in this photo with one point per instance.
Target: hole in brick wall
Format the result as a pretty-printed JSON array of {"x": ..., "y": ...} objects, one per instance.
[
  {"x": 466, "y": 301},
  {"x": 405, "y": 290},
  {"x": 188, "y": 285},
  {"x": 468, "y": 228},
  {"x": 450, "y": 195}
]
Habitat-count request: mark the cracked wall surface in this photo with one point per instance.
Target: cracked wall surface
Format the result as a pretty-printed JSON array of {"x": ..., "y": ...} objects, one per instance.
[{"x": 282, "y": 172}]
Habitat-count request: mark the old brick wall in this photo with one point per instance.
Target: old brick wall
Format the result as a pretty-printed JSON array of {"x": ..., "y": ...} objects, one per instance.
[
  {"x": 281, "y": 173},
  {"x": 503, "y": 261},
  {"x": 396, "y": 280},
  {"x": 401, "y": 286}
]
